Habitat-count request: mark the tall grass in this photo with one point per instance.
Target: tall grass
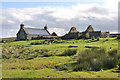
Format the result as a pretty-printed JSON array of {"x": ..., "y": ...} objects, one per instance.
[
  {"x": 69, "y": 52},
  {"x": 97, "y": 59},
  {"x": 21, "y": 52}
]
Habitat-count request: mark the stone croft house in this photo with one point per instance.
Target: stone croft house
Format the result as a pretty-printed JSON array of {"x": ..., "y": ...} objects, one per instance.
[
  {"x": 32, "y": 33},
  {"x": 88, "y": 33},
  {"x": 72, "y": 34}
]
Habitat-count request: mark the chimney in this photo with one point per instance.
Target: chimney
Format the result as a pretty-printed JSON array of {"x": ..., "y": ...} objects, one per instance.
[
  {"x": 22, "y": 25},
  {"x": 45, "y": 27}
]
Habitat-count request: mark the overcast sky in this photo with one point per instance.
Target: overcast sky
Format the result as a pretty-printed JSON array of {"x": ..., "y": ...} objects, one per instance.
[{"x": 59, "y": 16}]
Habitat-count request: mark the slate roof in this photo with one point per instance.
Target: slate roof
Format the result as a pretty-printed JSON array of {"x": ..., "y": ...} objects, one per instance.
[{"x": 36, "y": 31}]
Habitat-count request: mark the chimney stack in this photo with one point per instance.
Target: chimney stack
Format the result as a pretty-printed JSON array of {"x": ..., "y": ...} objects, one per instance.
[
  {"x": 46, "y": 27},
  {"x": 22, "y": 25}
]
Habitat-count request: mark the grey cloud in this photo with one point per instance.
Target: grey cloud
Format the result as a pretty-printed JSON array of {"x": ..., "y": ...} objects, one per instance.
[
  {"x": 40, "y": 20},
  {"x": 99, "y": 10}
]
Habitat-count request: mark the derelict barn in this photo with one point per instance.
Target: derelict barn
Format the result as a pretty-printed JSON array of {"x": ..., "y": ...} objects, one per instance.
[
  {"x": 88, "y": 33},
  {"x": 32, "y": 33}
]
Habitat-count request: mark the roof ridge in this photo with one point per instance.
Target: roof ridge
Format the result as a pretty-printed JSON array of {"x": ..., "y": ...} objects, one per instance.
[{"x": 35, "y": 28}]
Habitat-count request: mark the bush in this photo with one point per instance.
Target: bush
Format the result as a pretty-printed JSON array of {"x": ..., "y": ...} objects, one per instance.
[
  {"x": 97, "y": 59},
  {"x": 69, "y": 52}
]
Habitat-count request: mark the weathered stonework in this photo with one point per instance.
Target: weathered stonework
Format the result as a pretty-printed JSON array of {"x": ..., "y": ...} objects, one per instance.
[
  {"x": 21, "y": 35},
  {"x": 24, "y": 35},
  {"x": 88, "y": 33},
  {"x": 72, "y": 34}
]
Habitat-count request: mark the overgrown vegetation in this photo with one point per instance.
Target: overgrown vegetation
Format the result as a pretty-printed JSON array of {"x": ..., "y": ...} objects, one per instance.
[
  {"x": 69, "y": 52},
  {"x": 21, "y": 52},
  {"x": 93, "y": 60},
  {"x": 35, "y": 58},
  {"x": 97, "y": 59}
]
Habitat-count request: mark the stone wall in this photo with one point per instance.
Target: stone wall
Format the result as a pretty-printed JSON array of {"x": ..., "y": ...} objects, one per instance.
[
  {"x": 21, "y": 35},
  {"x": 95, "y": 34},
  {"x": 71, "y": 36},
  {"x": 105, "y": 34}
]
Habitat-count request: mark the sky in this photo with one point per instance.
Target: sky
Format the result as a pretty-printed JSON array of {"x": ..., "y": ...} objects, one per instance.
[{"x": 59, "y": 16}]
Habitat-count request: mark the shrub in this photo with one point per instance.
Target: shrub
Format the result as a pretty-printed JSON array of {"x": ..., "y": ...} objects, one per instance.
[
  {"x": 97, "y": 59},
  {"x": 69, "y": 52}
]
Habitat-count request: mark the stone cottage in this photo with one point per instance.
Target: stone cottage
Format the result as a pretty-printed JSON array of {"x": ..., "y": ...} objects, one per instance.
[
  {"x": 31, "y": 33},
  {"x": 89, "y": 33}
]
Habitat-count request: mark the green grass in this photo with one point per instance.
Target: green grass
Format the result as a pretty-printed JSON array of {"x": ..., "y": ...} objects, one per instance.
[
  {"x": 52, "y": 73},
  {"x": 44, "y": 67}
]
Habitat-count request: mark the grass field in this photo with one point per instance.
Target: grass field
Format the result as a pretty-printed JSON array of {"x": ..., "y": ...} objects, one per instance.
[{"x": 45, "y": 66}]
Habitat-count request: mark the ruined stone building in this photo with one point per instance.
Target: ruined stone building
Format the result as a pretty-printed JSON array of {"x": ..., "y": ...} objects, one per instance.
[
  {"x": 90, "y": 32},
  {"x": 36, "y": 33},
  {"x": 32, "y": 33},
  {"x": 72, "y": 34}
]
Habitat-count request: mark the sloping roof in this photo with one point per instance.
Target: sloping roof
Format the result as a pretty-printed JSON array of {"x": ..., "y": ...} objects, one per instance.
[
  {"x": 73, "y": 30},
  {"x": 89, "y": 29},
  {"x": 36, "y": 31},
  {"x": 54, "y": 34}
]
